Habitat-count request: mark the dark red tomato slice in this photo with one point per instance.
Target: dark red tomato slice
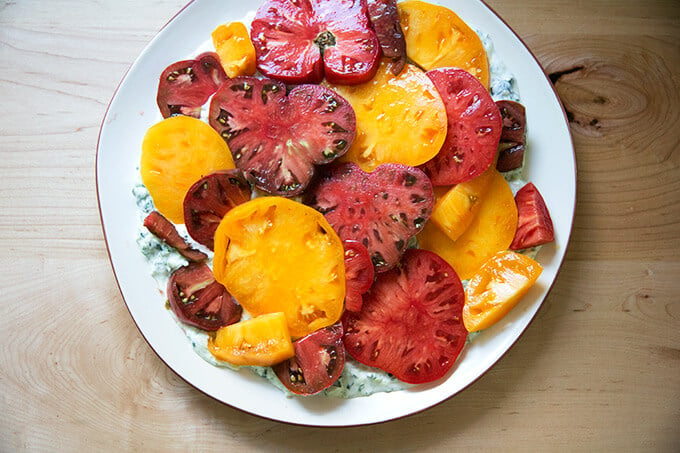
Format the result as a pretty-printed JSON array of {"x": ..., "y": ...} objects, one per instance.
[
  {"x": 200, "y": 301},
  {"x": 299, "y": 41},
  {"x": 277, "y": 139},
  {"x": 209, "y": 199},
  {"x": 162, "y": 228},
  {"x": 186, "y": 85},
  {"x": 411, "y": 322},
  {"x": 534, "y": 226},
  {"x": 511, "y": 149},
  {"x": 318, "y": 362},
  {"x": 474, "y": 128},
  {"x": 359, "y": 274},
  {"x": 384, "y": 17}
]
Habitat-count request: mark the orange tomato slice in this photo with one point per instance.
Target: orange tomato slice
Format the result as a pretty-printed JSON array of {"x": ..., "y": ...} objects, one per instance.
[
  {"x": 176, "y": 153},
  {"x": 490, "y": 231},
  {"x": 400, "y": 119},
  {"x": 235, "y": 49},
  {"x": 437, "y": 38},
  {"x": 277, "y": 255},
  {"x": 261, "y": 341},
  {"x": 454, "y": 211},
  {"x": 497, "y": 287}
]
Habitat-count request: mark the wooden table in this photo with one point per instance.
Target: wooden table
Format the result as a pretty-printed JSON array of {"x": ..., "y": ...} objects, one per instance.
[{"x": 599, "y": 369}]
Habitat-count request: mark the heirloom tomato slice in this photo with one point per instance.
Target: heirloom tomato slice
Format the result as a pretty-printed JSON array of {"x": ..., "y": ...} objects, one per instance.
[
  {"x": 399, "y": 119},
  {"x": 490, "y": 231},
  {"x": 318, "y": 362},
  {"x": 236, "y": 51},
  {"x": 474, "y": 128},
  {"x": 198, "y": 300},
  {"x": 513, "y": 135},
  {"x": 261, "y": 341},
  {"x": 535, "y": 226},
  {"x": 497, "y": 287},
  {"x": 384, "y": 17},
  {"x": 177, "y": 152},
  {"x": 301, "y": 41},
  {"x": 411, "y": 322},
  {"x": 277, "y": 255},
  {"x": 163, "y": 229},
  {"x": 437, "y": 38},
  {"x": 359, "y": 273}
]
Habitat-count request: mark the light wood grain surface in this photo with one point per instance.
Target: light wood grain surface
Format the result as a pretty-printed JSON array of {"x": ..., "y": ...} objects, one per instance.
[{"x": 599, "y": 369}]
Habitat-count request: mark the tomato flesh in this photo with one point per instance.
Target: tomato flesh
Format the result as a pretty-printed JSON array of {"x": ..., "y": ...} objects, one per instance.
[
  {"x": 186, "y": 85},
  {"x": 534, "y": 226},
  {"x": 162, "y": 228},
  {"x": 198, "y": 300},
  {"x": 384, "y": 17},
  {"x": 410, "y": 324},
  {"x": 359, "y": 274},
  {"x": 318, "y": 362},
  {"x": 300, "y": 42},
  {"x": 474, "y": 128},
  {"x": 209, "y": 199},
  {"x": 511, "y": 148}
]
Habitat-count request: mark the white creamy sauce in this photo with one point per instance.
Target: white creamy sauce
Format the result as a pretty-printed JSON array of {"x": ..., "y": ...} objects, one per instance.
[{"x": 357, "y": 379}]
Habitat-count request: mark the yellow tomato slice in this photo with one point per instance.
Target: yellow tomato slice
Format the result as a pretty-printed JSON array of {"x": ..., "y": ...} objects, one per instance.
[
  {"x": 176, "y": 153},
  {"x": 490, "y": 231},
  {"x": 454, "y": 211},
  {"x": 277, "y": 255},
  {"x": 235, "y": 49},
  {"x": 437, "y": 38},
  {"x": 261, "y": 341},
  {"x": 400, "y": 119},
  {"x": 497, "y": 287}
]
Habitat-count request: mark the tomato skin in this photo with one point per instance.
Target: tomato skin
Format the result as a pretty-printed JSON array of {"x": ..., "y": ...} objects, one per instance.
[
  {"x": 198, "y": 300},
  {"x": 318, "y": 362},
  {"x": 497, "y": 287},
  {"x": 410, "y": 324},
  {"x": 534, "y": 226},
  {"x": 474, "y": 128},
  {"x": 259, "y": 341}
]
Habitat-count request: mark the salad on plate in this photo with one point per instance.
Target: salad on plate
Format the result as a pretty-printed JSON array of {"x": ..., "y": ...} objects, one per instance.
[{"x": 333, "y": 194}]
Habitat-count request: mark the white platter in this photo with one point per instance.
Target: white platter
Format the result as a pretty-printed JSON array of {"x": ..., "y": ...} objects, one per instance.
[{"x": 550, "y": 166}]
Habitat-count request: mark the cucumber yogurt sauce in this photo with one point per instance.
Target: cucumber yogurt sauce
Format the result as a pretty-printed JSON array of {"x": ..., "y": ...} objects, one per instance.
[{"x": 356, "y": 379}]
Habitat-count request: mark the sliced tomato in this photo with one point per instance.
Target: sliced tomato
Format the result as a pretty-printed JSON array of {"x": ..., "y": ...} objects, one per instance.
[
  {"x": 162, "y": 228},
  {"x": 186, "y": 85},
  {"x": 511, "y": 149},
  {"x": 209, "y": 199},
  {"x": 260, "y": 341},
  {"x": 235, "y": 50},
  {"x": 301, "y": 41},
  {"x": 474, "y": 128},
  {"x": 497, "y": 287},
  {"x": 534, "y": 226},
  {"x": 411, "y": 322},
  {"x": 318, "y": 362},
  {"x": 359, "y": 274},
  {"x": 277, "y": 255},
  {"x": 384, "y": 17},
  {"x": 198, "y": 300}
]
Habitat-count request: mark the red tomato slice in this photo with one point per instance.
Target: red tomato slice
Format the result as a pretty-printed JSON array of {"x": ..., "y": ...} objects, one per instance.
[
  {"x": 163, "y": 229},
  {"x": 209, "y": 199},
  {"x": 198, "y": 300},
  {"x": 474, "y": 128},
  {"x": 534, "y": 226},
  {"x": 511, "y": 149},
  {"x": 186, "y": 85},
  {"x": 359, "y": 274},
  {"x": 411, "y": 323},
  {"x": 318, "y": 362},
  {"x": 299, "y": 42}
]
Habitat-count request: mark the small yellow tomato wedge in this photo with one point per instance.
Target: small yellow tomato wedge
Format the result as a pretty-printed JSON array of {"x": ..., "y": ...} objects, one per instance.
[
  {"x": 261, "y": 341},
  {"x": 277, "y": 255},
  {"x": 235, "y": 49},
  {"x": 176, "y": 153},
  {"x": 454, "y": 211},
  {"x": 400, "y": 119},
  {"x": 497, "y": 287},
  {"x": 437, "y": 38},
  {"x": 490, "y": 231}
]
